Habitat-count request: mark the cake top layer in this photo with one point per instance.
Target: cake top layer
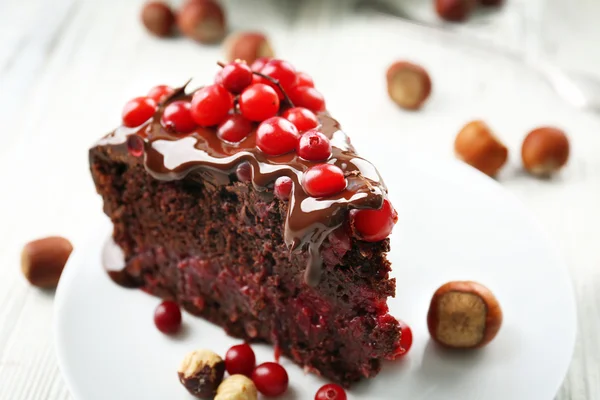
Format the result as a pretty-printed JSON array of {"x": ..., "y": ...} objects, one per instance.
[{"x": 321, "y": 194}]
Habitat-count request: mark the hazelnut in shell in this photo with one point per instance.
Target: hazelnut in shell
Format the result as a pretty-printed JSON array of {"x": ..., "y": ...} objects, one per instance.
[
  {"x": 43, "y": 260},
  {"x": 247, "y": 46},
  {"x": 202, "y": 21},
  {"x": 408, "y": 84},
  {"x": 545, "y": 151},
  {"x": 158, "y": 18},
  {"x": 476, "y": 145}
]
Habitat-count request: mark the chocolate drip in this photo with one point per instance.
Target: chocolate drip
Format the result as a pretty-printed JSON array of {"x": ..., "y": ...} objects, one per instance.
[{"x": 169, "y": 156}]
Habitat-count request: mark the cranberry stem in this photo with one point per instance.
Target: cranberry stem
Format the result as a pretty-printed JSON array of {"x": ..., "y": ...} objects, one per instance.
[{"x": 272, "y": 80}]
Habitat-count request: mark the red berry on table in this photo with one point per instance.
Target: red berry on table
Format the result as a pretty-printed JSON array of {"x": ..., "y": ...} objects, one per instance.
[
  {"x": 331, "y": 391},
  {"x": 303, "y": 118},
  {"x": 167, "y": 317},
  {"x": 160, "y": 92},
  {"x": 240, "y": 359},
  {"x": 236, "y": 76},
  {"x": 234, "y": 129},
  {"x": 282, "y": 71},
  {"x": 211, "y": 105},
  {"x": 138, "y": 111},
  {"x": 270, "y": 379},
  {"x": 374, "y": 225},
  {"x": 276, "y": 136},
  {"x": 283, "y": 188},
  {"x": 406, "y": 339},
  {"x": 324, "y": 180},
  {"x": 177, "y": 117},
  {"x": 259, "y": 102},
  {"x": 308, "y": 97},
  {"x": 314, "y": 146},
  {"x": 259, "y": 63},
  {"x": 304, "y": 79}
]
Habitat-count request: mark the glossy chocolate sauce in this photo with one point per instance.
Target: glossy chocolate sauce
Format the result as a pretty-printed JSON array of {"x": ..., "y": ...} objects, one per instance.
[{"x": 201, "y": 154}]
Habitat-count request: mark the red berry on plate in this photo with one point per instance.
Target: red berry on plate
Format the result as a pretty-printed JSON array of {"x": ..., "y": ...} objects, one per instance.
[
  {"x": 276, "y": 136},
  {"x": 211, "y": 105},
  {"x": 135, "y": 145},
  {"x": 259, "y": 102},
  {"x": 234, "y": 129},
  {"x": 331, "y": 391},
  {"x": 314, "y": 146},
  {"x": 308, "y": 97},
  {"x": 374, "y": 225},
  {"x": 283, "y": 188},
  {"x": 282, "y": 71},
  {"x": 304, "y": 79},
  {"x": 240, "y": 359},
  {"x": 323, "y": 180},
  {"x": 160, "y": 92},
  {"x": 406, "y": 339},
  {"x": 303, "y": 118},
  {"x": 236, "y": 76},
  {"x": 138, "y": 111},
  {"x": 259, "y": 63},
  {"x": 167, "y": 317},
  {"x": 177, "y": 117},
  {"x": 270, "y": 379}
]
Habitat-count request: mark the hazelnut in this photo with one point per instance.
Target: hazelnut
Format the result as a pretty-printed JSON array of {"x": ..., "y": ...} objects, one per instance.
[
  {"x": 545, "y": 151},
  {"x": 158, "y": 18},
  {"x": 202, "y": 21},
  {"x": 201, "y": 372},
  {"x": 476, "y": 145},
  {"x": 43, "y": 260},
  {"x": 464, "y": 315},
  {"x": 408, "y": 84},
  {"x": 237, "y": 387},
  {"x": 247, "y": 46},
  {"x": 454, "y": 10}
]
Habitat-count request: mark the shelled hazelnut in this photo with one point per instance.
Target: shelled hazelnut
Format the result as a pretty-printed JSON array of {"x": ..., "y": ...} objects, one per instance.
[
  {"x": 158, "y": 18},
  {"x": 202, "y": 21},
  {"x": 201, "y": 372},
  {"x": 408, "y": 84},
  {"x": 43, "y": 260},
  {"x": 464, "y": 314},
  {"x": 247, "y": 46},
  {"x": 545, "y": 151},
  {"x": 476, "y": 145},
  {"x": 237, "y": 387}
]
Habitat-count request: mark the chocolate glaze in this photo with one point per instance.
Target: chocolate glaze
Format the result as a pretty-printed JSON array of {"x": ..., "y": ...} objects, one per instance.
[{"x": 202, "y": 155}]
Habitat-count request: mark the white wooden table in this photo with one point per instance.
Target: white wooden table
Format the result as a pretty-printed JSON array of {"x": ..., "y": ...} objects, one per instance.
[{"x": 68, "y": 66}]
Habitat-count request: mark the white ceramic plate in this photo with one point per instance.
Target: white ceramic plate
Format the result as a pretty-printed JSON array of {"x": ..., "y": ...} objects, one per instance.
[{"x": 455, "y": 224}]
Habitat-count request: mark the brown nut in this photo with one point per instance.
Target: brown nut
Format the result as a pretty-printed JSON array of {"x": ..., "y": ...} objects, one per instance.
[
  {"x": 201, "y": 372},
  {"x": 237, "y": 387},
  {"x": 247, "y": 46},
  {"x": 158, "y": 18},
  {"x": 43, "y": 260},
  {"x": 464, "y": 315},
  {"x": 408, "y": 84},
  {"x": 545, "y": 151},
  {"x": 476, "y": 145},
  {"x": 202, "y": 21},
  {"x": 454, "y": 10}
]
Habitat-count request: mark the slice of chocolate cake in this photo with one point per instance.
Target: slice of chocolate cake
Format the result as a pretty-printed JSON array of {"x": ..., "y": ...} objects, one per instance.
[{"x": 238, "y": 226}]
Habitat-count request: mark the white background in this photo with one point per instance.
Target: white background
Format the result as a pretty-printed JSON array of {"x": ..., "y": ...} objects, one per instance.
[{"x": 67, "y": 67}]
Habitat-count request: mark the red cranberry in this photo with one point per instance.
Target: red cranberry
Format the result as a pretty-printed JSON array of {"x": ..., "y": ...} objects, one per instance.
[
  {"x": 276, "y": 136},
  {"x": 282, "y": 71},
  {"x": 259, "y": 102},
  {"x": 234, "y": 129},
  {"x": 244, "y": 172},
  {"x": 236, "y": 76},
  {"x": 331, "y": 391},
  {"x": 160, "y": 92},
  {"x": 323, "y": 180},
  {"x": 135, "y": 145},
  {"x": 406, "y": 339},
  {"x": 177, "y": 117},
  {"x": 314, "y": 146},
  {"x": 374, "y": 225},
  {"x": 304, "y": 79},
  {"x": 167, "y": 317},
  {"x": 210, "y": 105},
  {"x": 270, "y": 379},
  {"x": 283, "y": 188},
  {"x": 259, "y": 63},
  {"x": 308, "y": 97},
  {"x": 240, "y": 359},
  {"x": 303, "y": 118},
  {"x": 138, "y": 111}
]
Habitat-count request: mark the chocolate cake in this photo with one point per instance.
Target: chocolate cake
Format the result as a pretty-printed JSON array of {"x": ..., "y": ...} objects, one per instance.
[{"x": 201, "y": 221}]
